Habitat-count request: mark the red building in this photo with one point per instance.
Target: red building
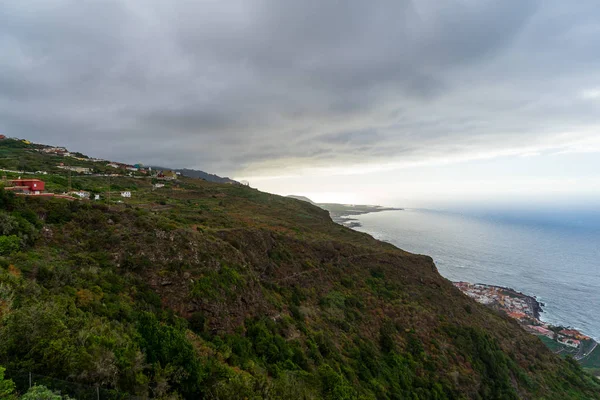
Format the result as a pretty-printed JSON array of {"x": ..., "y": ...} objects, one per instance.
[{"x": 34, "y": 186}]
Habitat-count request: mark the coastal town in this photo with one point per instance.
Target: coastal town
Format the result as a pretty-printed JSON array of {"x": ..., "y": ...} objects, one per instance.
[{"x": 526, "y": 310}]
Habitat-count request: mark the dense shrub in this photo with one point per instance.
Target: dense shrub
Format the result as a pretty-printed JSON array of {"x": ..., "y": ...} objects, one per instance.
[
  {"x": 280, "y": 304},
  {"x": 9, "y": 244}
]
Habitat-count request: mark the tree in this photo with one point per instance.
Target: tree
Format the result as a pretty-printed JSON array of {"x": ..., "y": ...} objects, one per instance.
[
  {"x": 7, "y": 386},
  {"x": 42, "y": 393}
]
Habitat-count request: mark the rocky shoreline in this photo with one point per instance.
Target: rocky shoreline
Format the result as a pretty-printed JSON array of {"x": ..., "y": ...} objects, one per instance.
[
  {"x": 516, "y": 304},
  {"x": 534, "y": 304},
  {"x": 526, "y": 310}
]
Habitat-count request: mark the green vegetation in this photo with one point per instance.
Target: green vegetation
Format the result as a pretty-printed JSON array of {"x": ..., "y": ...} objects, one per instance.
[
  {"x": 203, "y": 290},
  {"x": 19, "y": 156},
  {"x": 8, "y": 391},
  {"x": 7, "y": 386},
  {"x": 592, "y": 360},
  {"x": 553, "y": 344},
  {"x": 42, "y": 393}
]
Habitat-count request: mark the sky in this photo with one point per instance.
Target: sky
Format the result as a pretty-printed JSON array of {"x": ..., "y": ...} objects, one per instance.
[{"x": 415, "y": 103}]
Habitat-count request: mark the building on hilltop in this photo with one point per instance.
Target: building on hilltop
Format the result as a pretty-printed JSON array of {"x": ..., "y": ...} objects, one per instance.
[
  {"x": 167, "y": 175},
  {"x": 27, "y": 186},
  {"x": 59, "y": 151},
  {"x": 126, "y": 194},
  {"x": 34, "y": 187}
]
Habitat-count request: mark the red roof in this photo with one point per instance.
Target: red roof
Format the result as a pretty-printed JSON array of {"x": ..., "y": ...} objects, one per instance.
[
  {"x": 35, "y": 185},
  {"x": 540, "y": 329}
]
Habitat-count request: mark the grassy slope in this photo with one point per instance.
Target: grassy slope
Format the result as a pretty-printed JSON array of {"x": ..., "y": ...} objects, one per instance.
[
  {"x": 228, "y": 292},
  {"x": 593, "y": 360}
]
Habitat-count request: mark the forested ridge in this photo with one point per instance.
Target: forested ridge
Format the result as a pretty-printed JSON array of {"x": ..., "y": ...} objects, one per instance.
[{"x": 205, "y": 290}]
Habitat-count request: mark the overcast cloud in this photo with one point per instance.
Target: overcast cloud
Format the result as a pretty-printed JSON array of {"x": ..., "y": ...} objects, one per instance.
[{"x": 267, "y": 88}]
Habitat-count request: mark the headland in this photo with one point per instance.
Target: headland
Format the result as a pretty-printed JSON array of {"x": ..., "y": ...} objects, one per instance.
[
  {"x": 343, "y": 213},
  {"x": 526, "y": 310}
]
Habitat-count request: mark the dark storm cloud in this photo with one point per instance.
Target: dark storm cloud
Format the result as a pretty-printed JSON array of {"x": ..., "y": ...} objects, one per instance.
[{"x": 228, "y": 86}]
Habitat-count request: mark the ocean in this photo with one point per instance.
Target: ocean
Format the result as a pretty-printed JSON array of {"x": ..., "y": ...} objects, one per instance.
[{"x": 559, "y": 264}]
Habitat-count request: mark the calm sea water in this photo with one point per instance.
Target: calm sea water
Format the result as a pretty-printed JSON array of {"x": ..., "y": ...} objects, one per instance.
[{"x": 558, "y": 264}]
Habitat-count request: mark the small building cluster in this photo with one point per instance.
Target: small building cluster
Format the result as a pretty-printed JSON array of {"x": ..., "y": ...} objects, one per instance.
[
  {"x": 63, "y": 152},
  {"x": 33, "y": 187},
  {"x": 79, "y": 170},
  {"x": 541, "y": 330},
  {"x": 574, "y": 334},
  {"x": 131, "y": 168},
  {"x": 57, "y": 151},
  {"x": 567, "y": 337},
  {"x": 516, "y": 306},
  {"x": 36, "y": 187},
  {"x": 569, "y": 341},
  {"x": 82, "y": 194},
  {"x": 167, "y": 175}
]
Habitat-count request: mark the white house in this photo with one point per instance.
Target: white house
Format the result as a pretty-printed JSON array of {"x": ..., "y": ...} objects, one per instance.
[
  {"x": 96, "y": 197},
  {"x": 81, "y": 170},
  {"x": 568, "y": 341},
  {"x": 82, "y": 194},
  {"x": 126, "y": 194}
]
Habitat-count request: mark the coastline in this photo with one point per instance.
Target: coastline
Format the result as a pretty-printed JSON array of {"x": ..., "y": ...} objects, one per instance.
[
  {"x": 527, "y": 310},
  {"x": 532, "y": 301},
  {"x": 342, "y": 213}
]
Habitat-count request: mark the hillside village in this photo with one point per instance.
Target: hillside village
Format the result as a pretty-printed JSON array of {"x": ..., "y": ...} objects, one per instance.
[{"x": 59, "y": 162}]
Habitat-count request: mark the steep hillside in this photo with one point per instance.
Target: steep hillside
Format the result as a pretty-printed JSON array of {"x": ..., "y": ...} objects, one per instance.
[
  {"x": 208, "y": 290},
  {"x": 302, "y": 198}
]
